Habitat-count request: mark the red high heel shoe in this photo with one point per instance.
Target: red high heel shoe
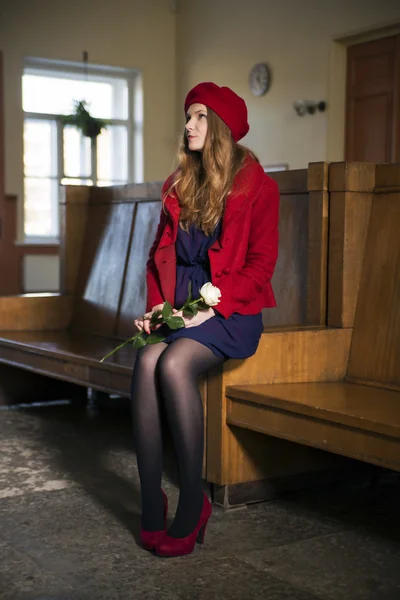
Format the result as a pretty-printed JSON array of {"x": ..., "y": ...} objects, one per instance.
[
  {"x": 169, "y": 546},
  {"x": 150, "y": 539}
]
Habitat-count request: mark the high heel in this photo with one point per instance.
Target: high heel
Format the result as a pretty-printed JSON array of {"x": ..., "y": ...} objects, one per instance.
[
  {"x": 150, "y": 539},
  {"x": 169, "y": 546}
]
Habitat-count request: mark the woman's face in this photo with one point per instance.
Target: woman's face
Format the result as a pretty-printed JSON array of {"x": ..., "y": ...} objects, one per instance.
[{"x": 196, "y": 126}]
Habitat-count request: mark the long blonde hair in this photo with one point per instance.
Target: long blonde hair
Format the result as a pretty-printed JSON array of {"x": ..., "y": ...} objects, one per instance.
[{"x": 203, "y": 180}]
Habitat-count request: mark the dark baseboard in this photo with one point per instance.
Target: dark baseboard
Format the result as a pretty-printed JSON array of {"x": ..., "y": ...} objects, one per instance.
[{"x": 240, "y": 494}]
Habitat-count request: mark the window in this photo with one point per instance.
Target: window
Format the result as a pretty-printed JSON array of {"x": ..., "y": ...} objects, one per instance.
[{"x": 56, "y": 154}]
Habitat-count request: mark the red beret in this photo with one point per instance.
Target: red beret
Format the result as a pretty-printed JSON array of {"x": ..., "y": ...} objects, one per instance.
[{"x": 230, "y": 107}]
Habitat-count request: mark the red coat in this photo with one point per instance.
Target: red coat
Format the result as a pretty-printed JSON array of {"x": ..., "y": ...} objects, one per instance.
[{"x": 242, "y": 260}]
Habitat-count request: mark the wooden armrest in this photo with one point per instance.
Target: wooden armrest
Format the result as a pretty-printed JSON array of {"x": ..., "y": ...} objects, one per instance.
[
  {"x": 297, "y": 355},
  {"x": 32, "y": 312}
]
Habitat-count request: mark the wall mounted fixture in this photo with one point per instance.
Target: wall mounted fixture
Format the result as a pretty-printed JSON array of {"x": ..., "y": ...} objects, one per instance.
[{"x": 308, "y": 107}]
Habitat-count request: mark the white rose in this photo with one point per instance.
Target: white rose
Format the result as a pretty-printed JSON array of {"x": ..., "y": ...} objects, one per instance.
[{"x": 210, "y": 294}]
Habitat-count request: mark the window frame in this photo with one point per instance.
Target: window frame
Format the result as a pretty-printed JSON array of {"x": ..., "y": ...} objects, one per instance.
[{"x": 133, "y": 124}]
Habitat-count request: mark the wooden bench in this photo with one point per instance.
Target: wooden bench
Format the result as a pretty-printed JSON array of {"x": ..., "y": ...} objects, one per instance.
[
  {"x": 248, "y": 466},
  {"x": 105, "y": 238},
  {"x": 338, "y": 388},
  {"x": 59, "y": 339}
]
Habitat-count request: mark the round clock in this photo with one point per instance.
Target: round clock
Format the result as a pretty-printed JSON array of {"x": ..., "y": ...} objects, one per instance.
[{"x": 259, "y": 79}]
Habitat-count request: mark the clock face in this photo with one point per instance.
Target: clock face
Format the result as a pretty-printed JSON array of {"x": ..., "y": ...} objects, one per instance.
[{"x": 259, "y": 79}]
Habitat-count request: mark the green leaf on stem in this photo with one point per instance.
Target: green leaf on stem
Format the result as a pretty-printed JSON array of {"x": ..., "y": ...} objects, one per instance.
[
  {"x": 175, "y": 322},
  {"x": 189, "y": 311},
  {"x": 166, "y": 311},
  {"x": 155, "y": 338},
  {"x": 156, "y": 314},
  {"x": 139, "y": 342},
  {"x": 158, "y": 321},
  {"x": 189, "y": 299},
  {"x": 203, "y": 306}
]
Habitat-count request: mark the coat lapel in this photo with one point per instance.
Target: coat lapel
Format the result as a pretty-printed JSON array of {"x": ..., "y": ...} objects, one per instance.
[{"x": 173, "y": 208}]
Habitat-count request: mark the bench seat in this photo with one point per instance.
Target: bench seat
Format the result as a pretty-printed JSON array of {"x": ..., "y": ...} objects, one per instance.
[
  {"x": 356, "y": 414},
  {"x": 71, "y": 356},
  {"x": 359, "y": 421},
  {"x": 364, "y": 407}
]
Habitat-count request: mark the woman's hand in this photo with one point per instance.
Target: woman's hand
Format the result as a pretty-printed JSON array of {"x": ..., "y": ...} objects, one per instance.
[
  {"x": 144, "y": 322},
  {"x": 195, "y": 320}
]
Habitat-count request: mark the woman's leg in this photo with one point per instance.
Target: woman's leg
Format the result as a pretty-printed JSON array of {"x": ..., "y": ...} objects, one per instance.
[
  {"x": 147, "y": 434},
  {"x": 178, "y": 369}
]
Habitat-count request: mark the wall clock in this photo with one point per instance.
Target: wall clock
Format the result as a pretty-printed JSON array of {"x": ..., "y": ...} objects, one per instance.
[{"x": 260, "y": 79}]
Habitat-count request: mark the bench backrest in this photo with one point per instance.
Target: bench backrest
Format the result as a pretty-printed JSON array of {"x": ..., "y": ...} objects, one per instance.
[
  {"x": 107, "y": 234},
  {"x": 300, "y": 277},
  {"x": 375, "y": 349}
]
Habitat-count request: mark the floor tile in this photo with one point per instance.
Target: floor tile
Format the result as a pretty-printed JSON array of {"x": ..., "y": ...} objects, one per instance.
[
  {"x": 337, "y": 566},
  {"x": 226, "y": 579},
  {"x": 79, "y": 540}
]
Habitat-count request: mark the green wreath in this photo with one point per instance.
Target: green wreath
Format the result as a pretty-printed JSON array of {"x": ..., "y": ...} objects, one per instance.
[{"x": 82, "y": 119}]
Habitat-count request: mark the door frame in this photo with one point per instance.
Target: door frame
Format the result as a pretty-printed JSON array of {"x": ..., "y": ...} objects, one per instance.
[{"x": 336, "y": 113}]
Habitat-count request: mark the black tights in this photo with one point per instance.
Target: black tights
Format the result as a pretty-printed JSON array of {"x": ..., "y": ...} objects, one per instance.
[{"x": 168, "y": 374}]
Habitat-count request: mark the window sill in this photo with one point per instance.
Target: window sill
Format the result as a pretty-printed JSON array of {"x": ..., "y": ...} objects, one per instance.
[{"x": 38, "y": 242}]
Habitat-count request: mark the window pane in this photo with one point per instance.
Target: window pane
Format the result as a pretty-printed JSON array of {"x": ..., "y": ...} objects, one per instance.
[
  {"x": 55, "y": 94},
  {"x": 70, "y": 181},
  {"x": 40, "y": 148},
  {"x": 41, "y": 207},
  {"x": 77, "y": 153},
  {"x": 112, "y": 154},
  {"x": 102, "y": 183}
]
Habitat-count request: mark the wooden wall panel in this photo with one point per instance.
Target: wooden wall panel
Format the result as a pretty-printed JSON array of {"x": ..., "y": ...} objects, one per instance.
[
  {"x": 375, "y": 351},
  {"x": 351, "y": 188},
  {"x": 300, "y": 278},
  {"x": 73, "y": 216},
  {"x": 317, "y": 274},
  {"x": 289, "y": 281},
  {"x": 291, "y": 182},
  {"x": 35, "y": 312}
]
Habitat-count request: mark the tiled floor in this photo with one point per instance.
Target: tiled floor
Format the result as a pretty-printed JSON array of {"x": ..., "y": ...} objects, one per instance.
[{"x": 69, "y": 506}]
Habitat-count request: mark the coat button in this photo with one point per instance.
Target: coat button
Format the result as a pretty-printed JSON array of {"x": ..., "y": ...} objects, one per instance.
[
  {"x": 226, "y": 271},
  {"x": 218, "y": 274}
]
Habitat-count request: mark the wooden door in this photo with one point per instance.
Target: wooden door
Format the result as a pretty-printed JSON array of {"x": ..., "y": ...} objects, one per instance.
[{"x": 373, "y": 101}]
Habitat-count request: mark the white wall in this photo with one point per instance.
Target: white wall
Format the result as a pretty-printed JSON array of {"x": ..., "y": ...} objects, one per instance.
[
  {"x": 41, "y": 273},
  {"x": 220, "y": 40},
  {"x": 217, "y": 40},
  {"x": 126, "y": 33}
]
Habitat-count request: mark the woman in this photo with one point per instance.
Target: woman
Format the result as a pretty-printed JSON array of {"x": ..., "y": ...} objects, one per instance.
[{"x": 219, "y": 223}]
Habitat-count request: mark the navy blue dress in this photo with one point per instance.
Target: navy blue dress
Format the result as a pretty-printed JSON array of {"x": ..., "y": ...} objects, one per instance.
[{"x": 235, "y": 337}]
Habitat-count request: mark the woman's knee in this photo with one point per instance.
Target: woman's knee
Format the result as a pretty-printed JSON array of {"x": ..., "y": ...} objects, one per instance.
[
  {"x": 147, "y": 358},
  {"x": 169, "y": 366}
]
